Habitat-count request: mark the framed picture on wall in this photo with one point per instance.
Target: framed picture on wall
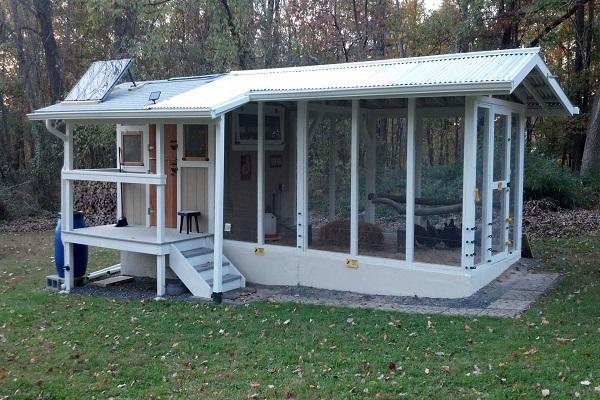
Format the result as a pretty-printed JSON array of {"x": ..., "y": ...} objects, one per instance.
[{"x": 246, "y": 167}]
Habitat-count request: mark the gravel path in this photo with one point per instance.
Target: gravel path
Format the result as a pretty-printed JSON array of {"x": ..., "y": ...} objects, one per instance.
[{"x": 507, "y": 296}]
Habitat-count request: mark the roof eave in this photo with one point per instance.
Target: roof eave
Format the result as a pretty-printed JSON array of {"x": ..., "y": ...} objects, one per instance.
[
  {"x": 435, "y": 90},
  {"x": 120, "y": 115}
]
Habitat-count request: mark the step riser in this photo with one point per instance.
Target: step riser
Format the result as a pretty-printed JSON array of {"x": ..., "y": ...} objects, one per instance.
[
  {"x": 208, "y": 274},
  {"x": 199, "y": 260},
  {"x": 194, "y": 244},
  {"x": 231, "y": 285}
]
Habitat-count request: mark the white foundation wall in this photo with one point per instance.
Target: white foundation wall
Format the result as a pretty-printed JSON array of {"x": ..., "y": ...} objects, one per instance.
[
  {"x": 141, "y": 265},
  {"x": 286, "y": 266}
]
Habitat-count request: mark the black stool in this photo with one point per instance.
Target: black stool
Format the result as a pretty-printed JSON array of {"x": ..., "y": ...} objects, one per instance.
[{"x": 188, "y": 218}]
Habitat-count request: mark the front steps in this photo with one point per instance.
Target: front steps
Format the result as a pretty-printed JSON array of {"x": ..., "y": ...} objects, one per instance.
[{"x": 192, "y": 262}]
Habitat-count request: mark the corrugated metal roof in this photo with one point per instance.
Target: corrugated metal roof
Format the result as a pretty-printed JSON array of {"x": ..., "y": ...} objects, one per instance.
[
  {"x": 492, "y": 72},
  {"x": 125, "y": 97}
]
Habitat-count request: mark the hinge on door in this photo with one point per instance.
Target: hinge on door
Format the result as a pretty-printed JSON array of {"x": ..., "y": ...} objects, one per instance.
[{"x": 150, "y": 211}]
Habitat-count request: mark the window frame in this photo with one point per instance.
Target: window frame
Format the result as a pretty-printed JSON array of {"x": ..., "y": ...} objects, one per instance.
[
  {"x": 206, "y": 157},
  {"x": 127, "y": 130}
]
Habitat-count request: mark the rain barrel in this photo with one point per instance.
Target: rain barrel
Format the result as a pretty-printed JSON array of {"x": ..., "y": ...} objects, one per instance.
[{"x": 80, "y": 251}]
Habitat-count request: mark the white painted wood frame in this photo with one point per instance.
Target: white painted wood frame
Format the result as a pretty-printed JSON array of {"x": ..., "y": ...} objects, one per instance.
[
  {"x": 302, "y": 217},
  {"x": 160, "y": 209},
  {"x": 468, "y": 257},
  {"x": 218, "y": 204},
  {"x": 67, "y": 207},
  {"x": 260, "y": 175},
  {"x": 354, "y": 178},
  {"x": 160, "y": 188},
  {"x": 410, "y": 180}
]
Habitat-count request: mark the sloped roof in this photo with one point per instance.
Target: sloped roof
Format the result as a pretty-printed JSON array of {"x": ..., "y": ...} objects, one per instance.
[{"x": 518, "y": 72}]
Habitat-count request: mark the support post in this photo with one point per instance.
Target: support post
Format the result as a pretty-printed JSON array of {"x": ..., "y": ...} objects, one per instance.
[
  {"x": 410, "y": 181},
  {"x": 468, "y": 257},
  {"x": 487, "y": 190},
  {"x": 217, "y": 291},
  {"x": 331, "y": 178},
  {"x": 160, "y": 189},
  {"x": 354, "y": 179},
  {"x": 260, "y": 176},
  {"x": 160, "y": 209},
  {"x": 160, "y": 276},
  {"x": 371, "y": 136},
  {"x": 67, "y": 206},
  {"x": 301, "y": 184}
]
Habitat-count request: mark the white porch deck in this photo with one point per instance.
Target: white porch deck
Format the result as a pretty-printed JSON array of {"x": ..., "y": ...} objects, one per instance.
[{"x": 144, "y": 238}]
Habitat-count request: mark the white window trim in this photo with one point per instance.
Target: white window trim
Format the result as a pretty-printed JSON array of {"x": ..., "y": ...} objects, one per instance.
[
  {"x": 250, "y": 145},
  {"x": 145, "y": 153}
]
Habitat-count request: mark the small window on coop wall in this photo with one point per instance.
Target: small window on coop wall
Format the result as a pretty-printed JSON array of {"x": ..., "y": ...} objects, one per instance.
[
  {"x": 132, "y": 148},
  {"x": 245, "y": 124},
  {"x": 195, "y": 142}
]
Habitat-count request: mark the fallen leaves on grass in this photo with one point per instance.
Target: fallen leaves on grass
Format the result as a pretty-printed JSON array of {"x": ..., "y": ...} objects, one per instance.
[{"x": 530, "y": 352}]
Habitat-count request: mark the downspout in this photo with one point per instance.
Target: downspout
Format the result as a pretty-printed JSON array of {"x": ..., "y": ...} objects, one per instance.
[{"x": 52, "y": 129}]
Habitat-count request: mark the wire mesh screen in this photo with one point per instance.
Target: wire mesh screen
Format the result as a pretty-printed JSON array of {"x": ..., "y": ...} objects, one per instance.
[
  {"x": 328, "y": 172},
  {"x": 382, "y": 227},
  {"x": 438, "y": 192}
]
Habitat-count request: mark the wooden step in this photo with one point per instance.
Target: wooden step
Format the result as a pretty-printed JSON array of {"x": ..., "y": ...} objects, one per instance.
[
  {"x": 208, "y": 266},
  {"x": 226, "y": 279},
  {"x": 196, "y": 252}
]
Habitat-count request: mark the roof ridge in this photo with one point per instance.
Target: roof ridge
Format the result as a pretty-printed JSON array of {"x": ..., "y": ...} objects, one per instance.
[{"x": 388, "y": 62}]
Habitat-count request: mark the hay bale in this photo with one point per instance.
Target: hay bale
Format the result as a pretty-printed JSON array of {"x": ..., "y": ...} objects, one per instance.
[{"x": 337, "y": 234}]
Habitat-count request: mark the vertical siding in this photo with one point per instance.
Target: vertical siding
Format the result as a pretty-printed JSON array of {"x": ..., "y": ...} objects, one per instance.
[
  {"x": 194, "y": 192},
  {"x": 134, "y": 203}
]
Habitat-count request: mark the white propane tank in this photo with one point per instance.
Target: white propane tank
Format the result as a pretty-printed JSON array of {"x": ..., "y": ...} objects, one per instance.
[{"x": 270, "y": 226}]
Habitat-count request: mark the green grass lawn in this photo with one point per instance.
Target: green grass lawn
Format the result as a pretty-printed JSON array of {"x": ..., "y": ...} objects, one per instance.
[{"x": 69, "y": 346}]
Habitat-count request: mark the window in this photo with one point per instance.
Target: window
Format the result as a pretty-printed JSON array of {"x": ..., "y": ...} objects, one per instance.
[
  {"x": 195, "y": 142},
  {"x": 132, "y": 148},
  {"x": 245, "y": 124}
]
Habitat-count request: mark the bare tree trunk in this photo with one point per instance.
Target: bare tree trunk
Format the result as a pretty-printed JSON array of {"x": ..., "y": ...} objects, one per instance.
[
  {"x": 591, "y": 153},
  {"x": 244, "y": 55},
  {"x": 43, "y": 13},
  {"x": 463, "y": 41}
]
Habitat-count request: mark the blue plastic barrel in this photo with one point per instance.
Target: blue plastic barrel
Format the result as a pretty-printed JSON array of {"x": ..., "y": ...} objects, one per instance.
[{"x": 80, "y": 251}]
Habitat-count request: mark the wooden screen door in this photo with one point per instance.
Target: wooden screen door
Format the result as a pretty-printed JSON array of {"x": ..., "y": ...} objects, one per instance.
[{"x": 170, "y": 146}]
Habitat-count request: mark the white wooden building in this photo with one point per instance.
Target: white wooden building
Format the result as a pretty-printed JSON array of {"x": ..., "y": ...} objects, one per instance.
[{"x": 394, "y": 177}]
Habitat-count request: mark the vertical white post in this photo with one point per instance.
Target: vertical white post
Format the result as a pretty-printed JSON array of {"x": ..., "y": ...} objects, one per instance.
[
  {"x": 219, "y": 185},
  {"x": 410, "y": 180},
  {"x": 160, "y": 276},
  {"x": 506, "y": 192},
  {"x": 160, "y": 209},
  {"x": 211, "y": 176},
  {"x": 301, "y": 183},
  {"x": 160, "y": 189},
  {"x": 487, "y": 195},
  {"x": 371, "y": 187},
  {"x": 67, "y": 207},
  {"x": 260, "y": 176},
  {"x": 331, "y": 178},
  {"x": 518, "y": 185},
  {"x": 354, "y": 179},
  {"x": 469, "y": 184}
]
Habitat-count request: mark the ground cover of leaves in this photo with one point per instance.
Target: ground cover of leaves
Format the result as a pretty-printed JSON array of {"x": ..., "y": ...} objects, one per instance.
[{"x": 57, "y": 346}]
